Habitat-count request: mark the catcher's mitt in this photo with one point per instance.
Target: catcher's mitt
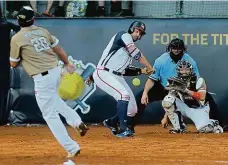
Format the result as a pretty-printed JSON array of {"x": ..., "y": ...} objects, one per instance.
[{"x": 177, "y": 84}]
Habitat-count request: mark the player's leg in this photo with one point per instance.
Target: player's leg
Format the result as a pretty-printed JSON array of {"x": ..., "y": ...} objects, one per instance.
[
  {"x": 111, "y": 123},
  {"x": 46, "y": 96},
  {"x": 132, "y": 107},
  {"x": 112, "y": 85},
  {"x": 169, "y": 104},
  {"x": 71, "y": 116},
  {"x": 200, "y": 117}
]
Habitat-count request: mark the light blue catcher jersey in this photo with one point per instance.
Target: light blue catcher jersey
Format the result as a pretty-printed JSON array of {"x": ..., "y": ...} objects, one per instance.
[{"x": 165, "y": 68}]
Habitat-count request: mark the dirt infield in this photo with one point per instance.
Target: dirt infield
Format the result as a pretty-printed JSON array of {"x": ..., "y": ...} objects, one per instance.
[{"x": 151, "y": 145}]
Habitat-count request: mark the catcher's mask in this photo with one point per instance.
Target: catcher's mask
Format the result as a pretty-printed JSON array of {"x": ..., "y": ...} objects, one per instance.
[
  {"x": 26, "y": 16},
  {"x": 185, "y": 70},
  {"x": 176, "y": 44},
  {"x": 137, "y": 25}
]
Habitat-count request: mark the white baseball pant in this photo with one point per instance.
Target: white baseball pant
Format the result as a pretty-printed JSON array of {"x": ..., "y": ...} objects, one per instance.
[
  {"x": 199, "y": 116},
  {"x": 51, "y": 105},
  {"x": 116, "y": 87}
]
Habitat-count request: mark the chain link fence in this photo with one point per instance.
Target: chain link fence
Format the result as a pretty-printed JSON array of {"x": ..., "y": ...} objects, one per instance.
[
  {"x": 174, "y": 8},
  {"x": 181, "y": 9}
]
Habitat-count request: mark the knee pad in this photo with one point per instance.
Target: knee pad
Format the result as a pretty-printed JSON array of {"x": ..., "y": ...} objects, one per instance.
[{"x": 168, "y": 103}]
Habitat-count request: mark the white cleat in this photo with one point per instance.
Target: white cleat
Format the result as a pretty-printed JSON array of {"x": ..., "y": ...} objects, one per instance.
[
  {"x": 69, "y": 162},
  {"x": 72, "y": 155}
]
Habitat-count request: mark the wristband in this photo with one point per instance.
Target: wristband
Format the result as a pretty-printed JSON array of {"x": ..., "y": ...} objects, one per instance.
[{"x": 196, "y": 95}]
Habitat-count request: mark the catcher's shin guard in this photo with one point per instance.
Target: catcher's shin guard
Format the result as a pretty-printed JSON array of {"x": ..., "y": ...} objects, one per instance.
[{"x": 168, "y": 104}]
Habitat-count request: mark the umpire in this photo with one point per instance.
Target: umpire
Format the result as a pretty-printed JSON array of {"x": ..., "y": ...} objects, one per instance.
[
  {"x": 165, "y": 67},
  {"x": 5, "y": 30}
]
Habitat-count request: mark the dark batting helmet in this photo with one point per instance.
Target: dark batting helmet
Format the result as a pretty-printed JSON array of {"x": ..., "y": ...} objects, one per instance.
[
  {"x": 25, "y": 16},
  {"x": 137, "y": 25}
]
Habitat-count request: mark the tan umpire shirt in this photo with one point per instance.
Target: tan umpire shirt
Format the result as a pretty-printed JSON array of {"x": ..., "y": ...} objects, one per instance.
[{"x": 33, "y": 47}]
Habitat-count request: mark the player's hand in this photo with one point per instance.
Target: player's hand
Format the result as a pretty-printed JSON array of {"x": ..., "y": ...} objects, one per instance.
[
  {"x": 70, "y": 68},
  {"x": 145, "y": 99},
  {"x": 89, "y": 80},
  {"x": 164, "y": 122},
  {"x": 147, "y": 71},
  {"x": 144, "y": 70},
  {"x": 150, "y": 70}
]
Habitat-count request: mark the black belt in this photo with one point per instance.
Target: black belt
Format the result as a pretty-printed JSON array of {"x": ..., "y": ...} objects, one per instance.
[
  {"x": 114, "y": 72},
  {"x": 44, "y": 73}
]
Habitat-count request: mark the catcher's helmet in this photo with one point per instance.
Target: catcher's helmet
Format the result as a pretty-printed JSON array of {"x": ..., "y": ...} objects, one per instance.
[
  {"x": 177, "y": 44},
  {"x": 184, "y": 70},
  {"x": 137, "y": 25},
  {"x": 25, "y": 16}
]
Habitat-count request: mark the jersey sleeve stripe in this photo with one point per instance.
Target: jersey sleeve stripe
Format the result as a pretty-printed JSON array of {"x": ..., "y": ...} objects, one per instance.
[
  {"x": 15, "y": 59},
  {"x": 153, "y": 78},
  {"x": 56, "y": 43}
]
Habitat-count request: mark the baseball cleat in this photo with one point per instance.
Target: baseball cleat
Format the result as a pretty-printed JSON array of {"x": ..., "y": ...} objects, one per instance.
[
  {"x": 217, "y": 128},
  {"x": 112, "y": 127},
  {"x": 74, "y": 154},
  {"x": 126, "y": 133},
  {"x": 69, "y": 162},
  {"x": 132, "y": 128},
  {"x": 177, "y": 131},
  {"x": 82, "y": 129}
]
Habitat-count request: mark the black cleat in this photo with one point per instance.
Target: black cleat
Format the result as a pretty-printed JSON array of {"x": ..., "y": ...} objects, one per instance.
[
  {"x": 112, "y": 127},
  {"x": 177, "y": 131},
  {"x": 82, "y": 129},
  {"x": 132, "y": 128}
]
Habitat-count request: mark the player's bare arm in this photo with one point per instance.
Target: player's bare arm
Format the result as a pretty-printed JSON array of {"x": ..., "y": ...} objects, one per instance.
[
  {"x": 165, "y": 120},
  {"x": 146, "y": 63},
  {"x": 201, "y": 93},
  {"x": 63, "y": 56},
  {"x": 14, "y": 53},
  {"x": 138, "y": 55},
  {"x": 149, "y": 84}
]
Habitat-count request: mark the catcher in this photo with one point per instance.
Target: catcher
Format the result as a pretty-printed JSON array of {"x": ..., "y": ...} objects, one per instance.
[{"x": 186, "y": 97}]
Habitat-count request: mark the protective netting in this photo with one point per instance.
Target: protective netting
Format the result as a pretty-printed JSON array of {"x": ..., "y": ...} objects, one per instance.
[
  {"x": 181, "y": 8},
  {"x": 210, "y": 9},
  {"x": 156, "y": 9}
]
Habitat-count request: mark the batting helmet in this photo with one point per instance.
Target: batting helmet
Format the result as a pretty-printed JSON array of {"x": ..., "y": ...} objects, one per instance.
[
  {"x": 177, "y": 44},
  {"x": 137, "y": 25},
  {"x": 25, "y": 16},
  {"x": 184, "y": 70}
]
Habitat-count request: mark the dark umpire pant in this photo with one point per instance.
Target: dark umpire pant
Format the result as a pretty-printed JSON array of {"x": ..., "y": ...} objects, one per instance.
[
  {"x": 158, "y": 92},
  {"x": 4, "y": 87}
]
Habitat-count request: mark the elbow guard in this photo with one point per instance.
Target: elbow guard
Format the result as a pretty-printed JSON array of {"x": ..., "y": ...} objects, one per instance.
[{"x": 132, "y": 71}]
